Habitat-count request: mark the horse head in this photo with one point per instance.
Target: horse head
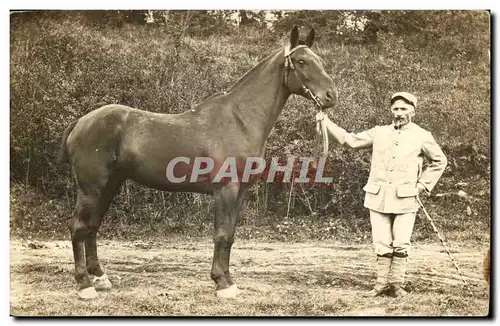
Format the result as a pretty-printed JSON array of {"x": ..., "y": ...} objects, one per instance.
[{"x": 305, "y": 74}]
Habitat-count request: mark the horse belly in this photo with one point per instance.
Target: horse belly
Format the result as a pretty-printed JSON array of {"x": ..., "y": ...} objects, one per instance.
[
  {"x": 151, "y": 147},
  {"x": 158, "y": 179}
]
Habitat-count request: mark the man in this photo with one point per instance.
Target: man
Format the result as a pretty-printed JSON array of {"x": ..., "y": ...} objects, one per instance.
[{"x": 396, "y": 178}]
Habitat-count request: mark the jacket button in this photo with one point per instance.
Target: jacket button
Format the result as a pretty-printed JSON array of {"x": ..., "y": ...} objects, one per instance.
[{"x": 396, "y": 143}]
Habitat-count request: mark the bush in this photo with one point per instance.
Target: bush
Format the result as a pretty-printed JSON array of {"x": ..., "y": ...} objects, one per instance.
[{"x": 63, "y": 65}]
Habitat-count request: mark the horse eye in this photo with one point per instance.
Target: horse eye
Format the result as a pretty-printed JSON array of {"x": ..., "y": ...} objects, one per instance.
[{"x": 301, "y": 62}]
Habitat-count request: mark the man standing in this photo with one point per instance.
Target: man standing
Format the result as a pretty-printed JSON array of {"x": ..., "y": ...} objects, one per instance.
[{"x": 396, "y": 178}]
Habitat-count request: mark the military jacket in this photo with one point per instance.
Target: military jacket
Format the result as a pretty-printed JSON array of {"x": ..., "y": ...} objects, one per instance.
[{"x": 396, "y": 165}]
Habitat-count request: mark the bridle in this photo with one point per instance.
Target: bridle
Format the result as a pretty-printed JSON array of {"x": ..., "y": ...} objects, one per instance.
[
  {"x": 289, "y": 65},
  {"x": 320, "y": 127}
]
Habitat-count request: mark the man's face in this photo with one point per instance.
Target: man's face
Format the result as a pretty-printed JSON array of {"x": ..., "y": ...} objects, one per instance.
[{"x": 402, "y": 113}]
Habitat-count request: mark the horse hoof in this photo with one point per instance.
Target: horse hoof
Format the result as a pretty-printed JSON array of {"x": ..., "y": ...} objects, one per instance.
[
  {"x": 88, "y": 293},
  {"x": 235, "y": 289},
  {"x": 228, "y": 293},
  {"x": 102, "y": 283}
]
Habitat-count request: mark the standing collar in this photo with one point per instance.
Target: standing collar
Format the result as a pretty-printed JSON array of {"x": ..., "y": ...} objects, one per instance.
[{"x": 406, "y": 126}]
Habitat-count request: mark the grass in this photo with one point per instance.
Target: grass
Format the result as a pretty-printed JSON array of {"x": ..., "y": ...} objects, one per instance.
[
  {"x": 171, "y": 278},
  {"x": 155, "y": 70}
]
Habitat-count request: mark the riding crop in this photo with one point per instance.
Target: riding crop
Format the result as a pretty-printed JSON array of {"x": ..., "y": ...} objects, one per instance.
[{"x": 444, "y": 244}]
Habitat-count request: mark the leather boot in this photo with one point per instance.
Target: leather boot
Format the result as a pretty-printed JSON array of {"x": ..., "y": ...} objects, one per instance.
[
  {"x": 382, "y": 283},
  {"x": 398, "y": 270}
]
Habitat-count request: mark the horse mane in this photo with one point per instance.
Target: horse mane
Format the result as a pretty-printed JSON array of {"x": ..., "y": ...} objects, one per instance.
[
  {"x": 247, "y": 76},
  {"x": 250, "y": 72},
  {"x": 213, "y": 95}
]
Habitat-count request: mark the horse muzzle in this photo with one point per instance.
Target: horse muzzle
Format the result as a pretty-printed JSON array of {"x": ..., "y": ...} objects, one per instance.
[{"x": 329, "y": 98}]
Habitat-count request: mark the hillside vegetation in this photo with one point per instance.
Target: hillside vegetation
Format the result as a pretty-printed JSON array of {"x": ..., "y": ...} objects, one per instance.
[{"x": 65, "y": 64}]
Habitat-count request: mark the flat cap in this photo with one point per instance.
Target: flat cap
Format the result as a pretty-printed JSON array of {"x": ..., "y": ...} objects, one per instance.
[{"x": 410, "y": 98}]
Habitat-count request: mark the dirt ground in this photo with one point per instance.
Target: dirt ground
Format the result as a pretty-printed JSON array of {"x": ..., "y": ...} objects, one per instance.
[{"x": 293, "y": 279}]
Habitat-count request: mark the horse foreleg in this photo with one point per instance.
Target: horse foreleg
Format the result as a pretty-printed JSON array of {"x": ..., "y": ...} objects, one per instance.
[
  {"x": 233, "y": 221},
  {"x": 224, "y": 225}
]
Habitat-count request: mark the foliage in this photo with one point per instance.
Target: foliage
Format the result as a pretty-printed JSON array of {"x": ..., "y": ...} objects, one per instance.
[{"x": 64, "y": 64}]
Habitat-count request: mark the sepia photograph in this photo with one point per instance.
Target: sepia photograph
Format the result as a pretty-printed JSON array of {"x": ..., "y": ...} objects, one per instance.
[{"x": 241, "y": 162}]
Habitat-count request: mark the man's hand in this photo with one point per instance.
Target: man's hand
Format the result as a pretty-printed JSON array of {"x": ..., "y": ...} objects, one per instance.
[
  {"x": 421, "y": 188},
  {"x": 320, "y": 116}
]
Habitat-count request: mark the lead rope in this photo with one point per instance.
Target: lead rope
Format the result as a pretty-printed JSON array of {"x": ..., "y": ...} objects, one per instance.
[
  {"x": 320, "y": 127},
  {"x": 321, "y": 131}
]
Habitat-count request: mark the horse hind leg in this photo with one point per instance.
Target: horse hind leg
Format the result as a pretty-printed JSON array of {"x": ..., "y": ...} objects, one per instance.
[
  {"x": 80, "y": 231},
  {"x": 101, "y": 280},
  {"x": 92, "y": 184},
  {"x": 224, "y": 225}
]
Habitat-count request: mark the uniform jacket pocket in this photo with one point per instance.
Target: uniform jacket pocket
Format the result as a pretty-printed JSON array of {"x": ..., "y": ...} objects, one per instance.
[
  {"x": 407, "y": 191},
  {"x": 371, "y": 188}
]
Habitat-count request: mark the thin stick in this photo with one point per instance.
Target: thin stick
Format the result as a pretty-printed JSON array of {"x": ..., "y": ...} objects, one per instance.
[
  {"x": 444, "y": 244},
  {"x": 289, "y": 197},
  {"x": 307, "y": 199}
]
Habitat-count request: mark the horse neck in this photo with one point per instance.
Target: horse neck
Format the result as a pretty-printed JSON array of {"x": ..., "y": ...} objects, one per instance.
[{"x": 261, "y": 95}]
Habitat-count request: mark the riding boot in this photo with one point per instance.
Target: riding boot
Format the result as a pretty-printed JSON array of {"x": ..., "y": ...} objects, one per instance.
[
  {"x": 398, "y": 270},
  {"x": 383, "y": 270}
]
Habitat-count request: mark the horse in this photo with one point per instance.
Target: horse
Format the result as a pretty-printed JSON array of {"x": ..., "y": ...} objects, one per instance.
[
  {"x": 486, "y": 267},
  {"x": 115, "y": 143}
]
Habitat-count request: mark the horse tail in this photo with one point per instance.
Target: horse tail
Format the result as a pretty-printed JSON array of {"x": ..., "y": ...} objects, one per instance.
[{"x": 63, "y": 151}]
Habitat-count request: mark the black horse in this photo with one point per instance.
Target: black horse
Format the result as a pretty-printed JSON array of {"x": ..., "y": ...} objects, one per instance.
[{"x": 115, "y": 142}]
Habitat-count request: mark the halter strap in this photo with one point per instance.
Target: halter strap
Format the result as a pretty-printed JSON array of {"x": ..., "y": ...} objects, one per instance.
[
  {"x": 320, "y": 127},
  {"x": 289, "y": 65},
  {"x": 289, "y": 51}
]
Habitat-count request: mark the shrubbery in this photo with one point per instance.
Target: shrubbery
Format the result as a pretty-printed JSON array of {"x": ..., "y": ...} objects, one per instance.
[{"x": 65, "y": 65}]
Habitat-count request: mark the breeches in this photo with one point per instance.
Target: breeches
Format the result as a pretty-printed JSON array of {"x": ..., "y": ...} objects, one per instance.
[{"x": 391, "y": 233}]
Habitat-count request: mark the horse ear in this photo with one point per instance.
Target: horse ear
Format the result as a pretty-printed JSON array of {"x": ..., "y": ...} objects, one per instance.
[
  {"x": 294, "y": 37},
  {"x": 310, "y": 38}
]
